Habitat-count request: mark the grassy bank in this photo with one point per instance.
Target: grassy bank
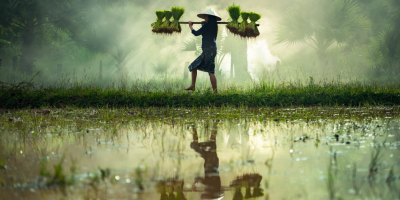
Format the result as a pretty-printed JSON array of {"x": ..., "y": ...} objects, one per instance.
[{"x": 25, "y": 95}]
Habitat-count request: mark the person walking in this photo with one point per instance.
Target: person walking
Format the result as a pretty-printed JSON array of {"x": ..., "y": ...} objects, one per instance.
[{"x": 206, "y": 61}]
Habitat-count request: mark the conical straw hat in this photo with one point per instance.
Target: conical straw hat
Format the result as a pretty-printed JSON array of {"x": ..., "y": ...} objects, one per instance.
[{"x": 210, "y": 11}]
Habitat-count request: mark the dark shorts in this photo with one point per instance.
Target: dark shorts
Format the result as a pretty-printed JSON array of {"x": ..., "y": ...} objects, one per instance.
[{"x": 206, "y": 61}]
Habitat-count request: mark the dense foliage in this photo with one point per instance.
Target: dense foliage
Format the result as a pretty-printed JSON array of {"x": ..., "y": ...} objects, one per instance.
[
  {"x": 348, "y": 36},
  {"x": 361, "y": 28}
]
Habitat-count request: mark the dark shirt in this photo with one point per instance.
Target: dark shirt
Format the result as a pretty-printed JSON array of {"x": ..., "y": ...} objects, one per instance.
[{"x": 208, "y": 31}]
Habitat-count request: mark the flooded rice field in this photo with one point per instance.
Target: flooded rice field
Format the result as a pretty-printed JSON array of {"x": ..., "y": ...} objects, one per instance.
[{"x": 200, "y": 153}]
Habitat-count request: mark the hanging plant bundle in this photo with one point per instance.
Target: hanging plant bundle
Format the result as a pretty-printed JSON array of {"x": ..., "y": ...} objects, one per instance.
[
  {"x": 165, "y": 27},
  {"x": 156, "y": 25},
  {"x": 244, "y": 24},
  {"x": 177, "y": 13},
  {"x": 253, "y": 30},
  {"x": 234, "y": 13}
]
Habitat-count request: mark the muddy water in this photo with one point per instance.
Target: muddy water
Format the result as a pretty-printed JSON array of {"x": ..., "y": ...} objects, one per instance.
[{"x": 241, "y": 154}]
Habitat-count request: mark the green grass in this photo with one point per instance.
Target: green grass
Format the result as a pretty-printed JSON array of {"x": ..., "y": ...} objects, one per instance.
[{"x": 252, "y": 95}]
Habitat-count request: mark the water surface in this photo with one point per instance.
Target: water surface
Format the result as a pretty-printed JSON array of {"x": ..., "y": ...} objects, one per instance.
[{"x": 228, "y": 153}]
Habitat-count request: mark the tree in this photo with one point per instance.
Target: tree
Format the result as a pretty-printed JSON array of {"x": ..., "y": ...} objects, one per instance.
[
  {"x": 383, "y": 50},
  {"x": 109, "y": 32},
  {"x": 24, "y": 20},
  {"x": 23, "y": 17},
  {"x": 321, "y": 23}
]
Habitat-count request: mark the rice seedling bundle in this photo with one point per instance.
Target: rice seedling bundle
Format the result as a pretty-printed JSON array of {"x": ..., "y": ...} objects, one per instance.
[
  {"x": 234, "y": 13},
  {"x": 253, "y": 30},
  {"x": 156, "y": 25},
  {"x": 244, "y": 24},
  {"x": 177, "y": 13},
  {"x": 165, "y": 27}
]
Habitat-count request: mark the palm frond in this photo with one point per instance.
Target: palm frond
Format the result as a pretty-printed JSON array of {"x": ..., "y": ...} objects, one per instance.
[
  {"x": 321, "y": 23},
  {"x": 5, "y": 41},
  {"x": 189, "y": 45},
  {"x": 295, "y": 27}
]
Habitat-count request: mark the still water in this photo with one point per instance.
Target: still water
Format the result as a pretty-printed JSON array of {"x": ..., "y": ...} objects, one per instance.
[{"x": 294, "y": 153}]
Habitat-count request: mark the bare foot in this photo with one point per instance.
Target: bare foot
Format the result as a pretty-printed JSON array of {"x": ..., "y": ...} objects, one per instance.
[{"x": 193, "y": 88}]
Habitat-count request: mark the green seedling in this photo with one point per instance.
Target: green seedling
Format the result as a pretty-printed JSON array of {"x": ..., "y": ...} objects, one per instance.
[
  {"x": 251, "y": 29},
  {"x": 243, "y": 24},
  {"x": 234, "y": 13},
  {"x": 59, "y": 177},
  {"x": 166, "y": 25},
  {"x": 177, "y": 13},
  {"x": 157, "y": 25}
]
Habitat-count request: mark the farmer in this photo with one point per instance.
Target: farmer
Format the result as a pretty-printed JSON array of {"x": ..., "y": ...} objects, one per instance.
[{"x": 206, "y": 61}]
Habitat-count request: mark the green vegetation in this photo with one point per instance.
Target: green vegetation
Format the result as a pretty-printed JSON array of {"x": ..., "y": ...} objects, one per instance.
[
  {"x": 156, "y": 25},
  {"x": 165, "y": 27},
  {"x": 354, "y": 38},
  {"x": 340, "y": 23},
  {"x": 243, "y": 25},
  {"x": 86, "y": 80},
  {"x": 254, "y": 17},
  {"x": 177, "y": 13},
  {"x": 246, "y": 29},
  {"x": 234, "y": 13},
  {"x": 172, "y": 95}
]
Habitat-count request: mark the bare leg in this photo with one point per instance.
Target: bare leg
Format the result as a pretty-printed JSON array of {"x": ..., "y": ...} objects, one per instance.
[
  {"x": 194, "y": 75},
  {"x": 213, "y": 82}
]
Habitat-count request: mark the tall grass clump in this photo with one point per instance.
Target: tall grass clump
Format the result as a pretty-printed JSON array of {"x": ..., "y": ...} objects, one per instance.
[
  {"x": 234, "y": 13},
  {"x": 243, "y": 25},
  {"x": 165, "y": 27},
  {"x": 252, "y": 28},
  {"x": 177, "y": 13},
  {"x": 157, "y": 25}
]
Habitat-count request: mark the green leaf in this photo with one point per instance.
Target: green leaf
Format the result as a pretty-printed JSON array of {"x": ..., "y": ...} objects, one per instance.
[{"x": 5, "y": 41}]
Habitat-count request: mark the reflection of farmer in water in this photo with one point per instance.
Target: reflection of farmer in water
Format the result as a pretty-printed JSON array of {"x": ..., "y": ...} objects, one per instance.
[{"x": 208, "y": 151}]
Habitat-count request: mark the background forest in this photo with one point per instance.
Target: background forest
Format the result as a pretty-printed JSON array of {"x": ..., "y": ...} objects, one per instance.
[{"x": 110, "y": 42}]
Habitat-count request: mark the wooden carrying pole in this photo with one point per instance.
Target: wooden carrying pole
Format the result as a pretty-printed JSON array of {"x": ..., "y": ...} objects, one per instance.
[{"x": 217, "y": 23}]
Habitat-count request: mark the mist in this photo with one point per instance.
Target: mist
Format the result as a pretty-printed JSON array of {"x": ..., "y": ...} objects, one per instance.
[{"x": 110, "y": 42}]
